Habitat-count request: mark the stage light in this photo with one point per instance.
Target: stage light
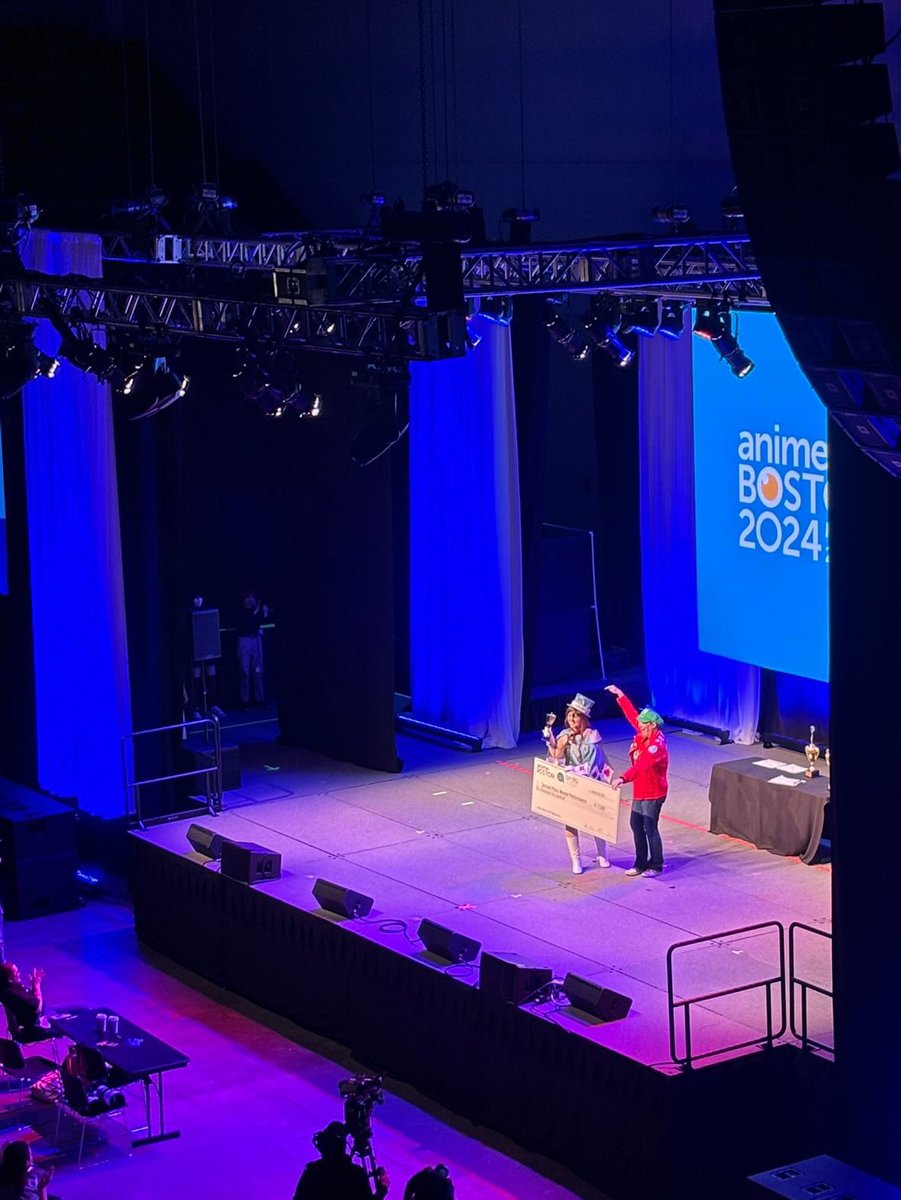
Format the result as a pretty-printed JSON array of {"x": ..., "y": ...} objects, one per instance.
[
  {"x": 641, "y": 316},
  {"x": 672, "y": 319},
  {"x": 671, "y": 214},
  {"x": 473, "y": 337},
  {"x": 153, "y": 386},
  {"x": 602, "y": 325},
  {"x": 565, "y": 334},
  {"x": 497, "y": 308},
  {"x": 47, "y": 365},
  {"x": 713, "y": 322}
]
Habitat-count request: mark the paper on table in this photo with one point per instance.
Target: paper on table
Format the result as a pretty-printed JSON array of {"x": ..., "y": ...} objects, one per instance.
[
  {"x": 771, "y": 764},
  {"x": 784, "y": 781},
  {"x": 793, "y": 768}
]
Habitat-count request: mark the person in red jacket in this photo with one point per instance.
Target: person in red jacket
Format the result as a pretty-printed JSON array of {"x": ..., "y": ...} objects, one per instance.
[{"x": 647, "y": 774}]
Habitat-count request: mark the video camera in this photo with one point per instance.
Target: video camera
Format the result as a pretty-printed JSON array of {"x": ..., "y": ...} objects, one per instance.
[{"x": 361, "y": 1094}]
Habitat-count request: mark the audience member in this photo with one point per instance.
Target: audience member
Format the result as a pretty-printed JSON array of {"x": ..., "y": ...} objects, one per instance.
[
  {"x": 432, "y": 1183},
  {"x": 23, "y": 1004},
  {"x": 20, "y": 1179},
  {"x": 335, "y": 1176}
]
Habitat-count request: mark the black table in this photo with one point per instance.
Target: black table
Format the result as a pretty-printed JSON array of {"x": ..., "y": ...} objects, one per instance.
[
  {"x": 134, "y": 1052},
  {"x": 784, "y": 820}
]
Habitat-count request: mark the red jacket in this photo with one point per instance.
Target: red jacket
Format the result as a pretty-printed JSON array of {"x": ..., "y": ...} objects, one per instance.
[{"x": 650, "y": 758}]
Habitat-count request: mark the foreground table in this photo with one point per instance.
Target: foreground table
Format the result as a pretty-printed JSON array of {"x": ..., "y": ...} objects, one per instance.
[
  {"x": 744, "y": 803},
  {"x": 136, "y": 1053}
]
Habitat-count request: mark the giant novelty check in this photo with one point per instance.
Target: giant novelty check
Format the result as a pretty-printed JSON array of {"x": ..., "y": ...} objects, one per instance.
[{"x": 576, "y": 800}]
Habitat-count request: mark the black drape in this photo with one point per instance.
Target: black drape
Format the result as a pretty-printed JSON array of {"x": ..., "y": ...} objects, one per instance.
[
  {"x": 530, "y": 380},
  {"x": 618, "y": 546},
  {"x": 217, "y": 497},
  {"x": 18, "y": 759}
]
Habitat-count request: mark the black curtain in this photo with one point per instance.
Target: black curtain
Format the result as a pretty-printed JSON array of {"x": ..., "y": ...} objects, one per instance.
[
  {"x": 216, "y": 497},
  {"x": 530, "y": 379},
  {"x": 18, "y": 756},
  {"x": 619, "y": 536}
]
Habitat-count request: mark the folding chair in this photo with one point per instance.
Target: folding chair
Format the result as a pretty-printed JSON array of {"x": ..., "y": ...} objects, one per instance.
[
  {"x": 91, "y": 1104},
  {"x": 18, "y": 1072}
]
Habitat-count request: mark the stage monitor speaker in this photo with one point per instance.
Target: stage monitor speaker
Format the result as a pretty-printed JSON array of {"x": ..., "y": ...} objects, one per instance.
[
  {"x": 820, "y": 1176},
  {"x": 205, "y": 841},
  {"x": 205, "y": 631},
  {"x": 342, "y": 901},
  {"x": 507, "y": 977},
  {"x": 445, "y": 943},
  {"x": 595, "y": 1000},
  {"x": 250, "y": 863}
]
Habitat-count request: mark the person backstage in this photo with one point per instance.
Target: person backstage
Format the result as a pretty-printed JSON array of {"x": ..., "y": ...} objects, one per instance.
[
  {"x": 579, "y": 748},
  {"x": 648, "y": 776}
]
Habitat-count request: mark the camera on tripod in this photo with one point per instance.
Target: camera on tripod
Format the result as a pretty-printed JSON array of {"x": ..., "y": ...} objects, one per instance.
[{"x": 361, "y": 1094}]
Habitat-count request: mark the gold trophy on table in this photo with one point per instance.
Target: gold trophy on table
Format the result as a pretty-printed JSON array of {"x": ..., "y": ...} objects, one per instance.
[{"x": 812, "y": 753}]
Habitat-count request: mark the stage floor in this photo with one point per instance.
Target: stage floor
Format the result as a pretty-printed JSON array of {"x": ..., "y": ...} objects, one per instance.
[{"x": 452, "y": 838}]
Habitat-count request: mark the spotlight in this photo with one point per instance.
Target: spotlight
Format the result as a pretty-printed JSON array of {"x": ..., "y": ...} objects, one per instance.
[
  {"x": 153, "y": 386},
  {"x": 473, "y": 337},
  {"x": 713, "y": 322},
  {"x": 672, "y": 319},
  {"x": 17, "y": 215},
  {"x": 565, "y": 334},
  {"x": 497, "y": 308},
  {"x": 641, "y": 316},
  {"x": 602, "y": 324},
  {"x": 671, "y": 214},
  {"x": 147, "y": 208},
  {"x": 440, "y": 197}
]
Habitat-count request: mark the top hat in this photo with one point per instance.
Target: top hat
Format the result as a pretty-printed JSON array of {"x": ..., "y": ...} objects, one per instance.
[{"x": 581, "y": 704}]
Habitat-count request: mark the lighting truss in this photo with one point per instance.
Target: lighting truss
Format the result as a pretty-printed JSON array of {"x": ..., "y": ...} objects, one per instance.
[
  {"x": 345, "y": 292},
  {"x": 417, "y": 335},
  {"x": 354, "y": 268}
]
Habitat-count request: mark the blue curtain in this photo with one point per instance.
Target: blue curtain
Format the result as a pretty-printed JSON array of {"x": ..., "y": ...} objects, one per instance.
[
  {"x": 684, "y": 680},
  {"x": 81, "y": 668},
  {"x": 466, "y": 642}
]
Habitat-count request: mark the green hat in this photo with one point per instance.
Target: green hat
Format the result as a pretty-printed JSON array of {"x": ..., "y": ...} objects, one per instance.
[{"x": 647, "y": 716}]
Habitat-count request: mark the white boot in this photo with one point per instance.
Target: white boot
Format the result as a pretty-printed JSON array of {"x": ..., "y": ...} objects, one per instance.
[
  {"x": 572, "y": 841},
  {"x": 601, "y": 845}
]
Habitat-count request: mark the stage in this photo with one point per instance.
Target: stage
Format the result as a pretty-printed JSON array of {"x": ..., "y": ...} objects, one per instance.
[{"x": 452, "y": 839}]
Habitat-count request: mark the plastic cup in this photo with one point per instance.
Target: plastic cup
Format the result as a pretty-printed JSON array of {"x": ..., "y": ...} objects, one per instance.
[
  {"x": 113, "y": 1025},
  {"x": 102, "y": 1019}
]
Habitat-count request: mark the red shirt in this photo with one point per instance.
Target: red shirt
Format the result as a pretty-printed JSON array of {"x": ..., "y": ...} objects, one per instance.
[{"x": 650, "y": 758}]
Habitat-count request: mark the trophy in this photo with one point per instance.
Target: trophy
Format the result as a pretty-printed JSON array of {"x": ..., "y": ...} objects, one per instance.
[
  {"x": 812, "y": 753},
  {"x": 829, "y": 773}
]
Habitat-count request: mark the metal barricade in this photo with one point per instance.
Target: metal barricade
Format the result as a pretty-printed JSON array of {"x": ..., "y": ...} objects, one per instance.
[
  {"x": 687, "y": 1059},
  {"x": 211, "y": 775},
  {"x": 805, "y": 986}
]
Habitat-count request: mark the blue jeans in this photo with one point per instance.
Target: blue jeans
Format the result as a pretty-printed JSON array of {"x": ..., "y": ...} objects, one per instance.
[{"x": 646, "y": 835}]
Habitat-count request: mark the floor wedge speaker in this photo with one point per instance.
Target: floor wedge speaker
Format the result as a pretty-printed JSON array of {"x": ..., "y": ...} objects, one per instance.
[
  {"x": 597, "y": 1001},
  {"x": 250, "y": 863},
  {"x": 342, "y": 901},
  {"x": 509, "y": 978},
  {"x": 204, "y": 841},
  {"x": 444, "y": 943}
]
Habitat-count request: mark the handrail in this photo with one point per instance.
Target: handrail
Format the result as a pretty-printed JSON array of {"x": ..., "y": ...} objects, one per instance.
[
  {"x": 212, "y": 775},
  {"x": 687, "y": 1059},
  {"x": 805, "y": 985}
]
